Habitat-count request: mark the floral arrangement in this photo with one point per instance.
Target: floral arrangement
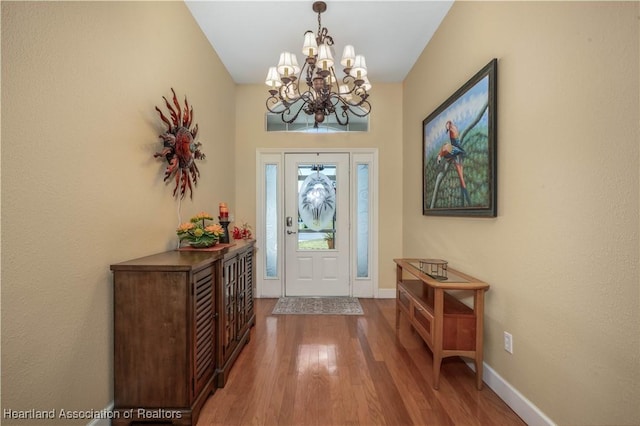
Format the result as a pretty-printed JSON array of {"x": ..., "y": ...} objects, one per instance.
[
  {"x": 197, "y": 233},
  {"x": 242, "y": 233}
]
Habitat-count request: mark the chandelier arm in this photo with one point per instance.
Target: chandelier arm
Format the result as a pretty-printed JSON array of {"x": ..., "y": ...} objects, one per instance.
[
  {"x": 306, "y": 101},
  {"x": 361, "y": 91},
  {"x": 334, "y": 111},
  {"x": 277, "y": 101},
  {"x": 354, "y": 89},
  {"x": 306, "y": 69},
  {"x": 340, "y": 122},
  {"x": 360, "y": 109},
  {"x": 349, "y": 79},
  {"x": 334, "y": 77},
  {"x": 307, "y": 97},
  {"x": 363, "y": 103},
  {"x": 272, "y": 104},
  {"x": 344, "y": 114},
  {"x": 279, "y": 97},
  {"x": 344, "y": 107},
  {"x": 285, "y": 91},
  {"x": 295, "y": 115}
]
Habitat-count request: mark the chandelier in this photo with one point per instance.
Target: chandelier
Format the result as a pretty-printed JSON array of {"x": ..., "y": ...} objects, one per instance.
[{"x": 324, "y": 94}]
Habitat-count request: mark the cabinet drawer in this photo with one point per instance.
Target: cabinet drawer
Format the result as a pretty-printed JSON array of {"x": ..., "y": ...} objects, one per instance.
[
  {"x": 403, "y": 300},
  {"x": 422, "y": 320}
]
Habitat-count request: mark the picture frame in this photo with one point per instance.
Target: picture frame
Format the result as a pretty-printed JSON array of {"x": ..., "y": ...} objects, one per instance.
[{"x": 459, "y": 150}]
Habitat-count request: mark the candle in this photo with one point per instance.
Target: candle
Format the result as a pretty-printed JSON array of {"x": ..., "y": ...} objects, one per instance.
[{"x": 224, "y": 211}]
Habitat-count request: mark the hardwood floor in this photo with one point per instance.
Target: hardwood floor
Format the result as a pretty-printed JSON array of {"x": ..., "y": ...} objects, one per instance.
[{"x": 347, "y": 370}]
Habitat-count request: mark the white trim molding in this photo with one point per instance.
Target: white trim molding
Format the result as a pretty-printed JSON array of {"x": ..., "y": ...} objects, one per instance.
[
  {"x": 524, "y": 408},
  {"x": 273, "y": 286},
  {"x": 386, "y": 293}
]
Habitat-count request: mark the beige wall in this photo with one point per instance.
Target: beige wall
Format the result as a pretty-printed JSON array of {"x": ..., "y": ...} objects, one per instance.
[
  {"x": 385, "y": 133},
  {"x": 80, "y": 187},
  {"x": 562, "y": 255}
]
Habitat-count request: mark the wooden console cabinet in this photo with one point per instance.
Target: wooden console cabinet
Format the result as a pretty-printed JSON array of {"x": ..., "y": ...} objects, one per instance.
[
  {"x": 448, "y": 326},
  {"x": 181, "y": 319}
]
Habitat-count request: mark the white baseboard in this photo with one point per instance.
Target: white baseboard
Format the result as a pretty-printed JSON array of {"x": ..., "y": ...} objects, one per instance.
[
  {"x": 102, "y": 421},
  {"x": 524, "y": 408},
  {"x": 386, "y": 293}
]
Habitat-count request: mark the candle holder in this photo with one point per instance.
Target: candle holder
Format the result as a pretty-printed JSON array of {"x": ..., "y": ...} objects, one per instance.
[{"x": 224, "y": 222}]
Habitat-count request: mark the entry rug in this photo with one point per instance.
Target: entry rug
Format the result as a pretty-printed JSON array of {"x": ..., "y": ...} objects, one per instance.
[{"x": 318, "y": 306}]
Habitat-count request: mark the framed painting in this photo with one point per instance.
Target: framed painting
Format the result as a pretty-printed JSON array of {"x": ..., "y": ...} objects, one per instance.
[{"x": 459, "y": 151}]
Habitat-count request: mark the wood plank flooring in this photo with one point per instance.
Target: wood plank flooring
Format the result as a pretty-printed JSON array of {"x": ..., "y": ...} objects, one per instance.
[{"x": 331, "y": 370}]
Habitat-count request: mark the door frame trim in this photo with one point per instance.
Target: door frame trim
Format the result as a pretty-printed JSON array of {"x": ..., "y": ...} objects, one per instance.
[{"x": 274, "y": 286}]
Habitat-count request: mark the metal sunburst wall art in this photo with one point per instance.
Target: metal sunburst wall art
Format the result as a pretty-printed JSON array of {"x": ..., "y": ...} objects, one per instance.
[{"x": 180, "y": 147}]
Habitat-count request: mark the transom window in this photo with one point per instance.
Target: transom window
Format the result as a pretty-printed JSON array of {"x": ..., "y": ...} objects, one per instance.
[{"x": 305, "y": 122}]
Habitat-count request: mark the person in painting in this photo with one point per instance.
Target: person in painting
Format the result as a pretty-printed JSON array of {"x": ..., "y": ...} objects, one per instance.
[{"x": 453, "y": 153}]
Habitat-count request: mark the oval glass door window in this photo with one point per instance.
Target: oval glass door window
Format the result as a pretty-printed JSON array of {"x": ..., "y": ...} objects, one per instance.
[{"x": 317, "y": 202}]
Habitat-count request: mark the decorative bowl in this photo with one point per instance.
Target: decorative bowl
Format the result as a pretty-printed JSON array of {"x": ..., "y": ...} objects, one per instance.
[{"x": 202, "y": 244}]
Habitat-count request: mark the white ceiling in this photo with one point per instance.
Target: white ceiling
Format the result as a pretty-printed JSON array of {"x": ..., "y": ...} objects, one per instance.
[{"x": 249, "y": 35}]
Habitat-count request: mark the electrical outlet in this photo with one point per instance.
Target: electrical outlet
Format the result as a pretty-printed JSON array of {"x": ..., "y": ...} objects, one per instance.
[{"x": 508, "y": 342}]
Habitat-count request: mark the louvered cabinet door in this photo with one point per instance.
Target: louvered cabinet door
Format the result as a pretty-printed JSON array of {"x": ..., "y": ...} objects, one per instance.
[
  {"x": 245, "y": 290},
  {"x": 204, "y": 328},
  {"x": 230, "y": 294},
  {"x": 249, "y": 285},
  {"x": 241, "y": 318},
  {"x": 234, "y": 294}
]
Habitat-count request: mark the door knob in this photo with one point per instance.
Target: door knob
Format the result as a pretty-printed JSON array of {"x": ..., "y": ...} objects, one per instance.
[{"x": 290, "y": 232}]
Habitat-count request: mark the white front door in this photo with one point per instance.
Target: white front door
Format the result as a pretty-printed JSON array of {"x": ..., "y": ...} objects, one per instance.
[{"x": 317, "y": 224}]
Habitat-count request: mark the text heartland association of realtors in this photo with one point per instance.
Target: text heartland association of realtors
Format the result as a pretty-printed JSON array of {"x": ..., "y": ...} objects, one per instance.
[{"x": 140, "y": 413}]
